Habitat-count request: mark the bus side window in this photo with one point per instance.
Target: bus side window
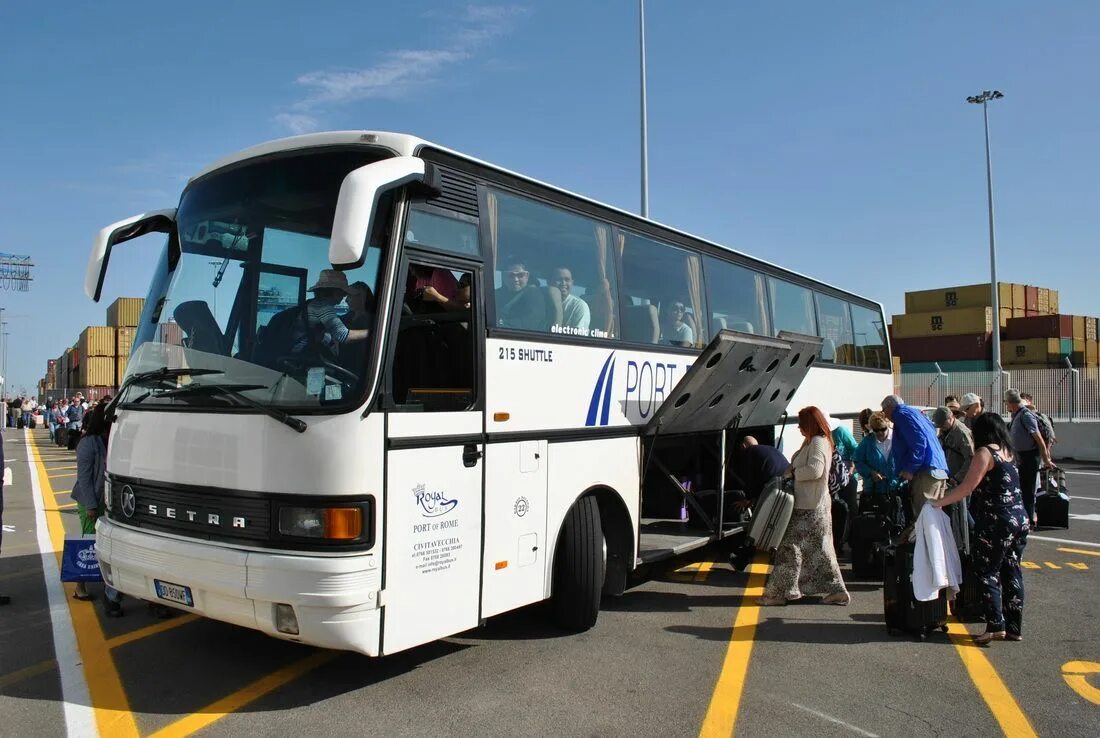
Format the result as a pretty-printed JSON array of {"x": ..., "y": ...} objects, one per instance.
[
  {"x": 433, "y": 365},
  {"x": 662, "y": 292}
]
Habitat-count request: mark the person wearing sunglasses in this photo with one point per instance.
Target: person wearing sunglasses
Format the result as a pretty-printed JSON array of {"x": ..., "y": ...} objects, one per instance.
[
  {"x": 873, "y": 458},
  {"x": 520, "y": 304}
]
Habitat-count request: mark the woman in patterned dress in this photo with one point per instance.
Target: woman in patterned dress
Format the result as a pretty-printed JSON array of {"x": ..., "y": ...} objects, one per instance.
[
  {"x": 1000, "y": 527},
  {"x": 805, "y": 562}
]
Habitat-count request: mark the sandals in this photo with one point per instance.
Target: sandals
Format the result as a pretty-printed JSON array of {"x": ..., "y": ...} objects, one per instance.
[
  {"x": 989, "y": 636},
  {"x": 839, "y": 598},
  {"x": 1013, "y": 637},
  {"x": 771, "y": 601},
  {"x": 86, "y": 597}
]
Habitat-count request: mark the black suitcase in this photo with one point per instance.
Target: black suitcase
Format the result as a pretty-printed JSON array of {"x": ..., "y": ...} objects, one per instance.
[
  {"x": 72, "y": 440},
  {"x": 19, "y": 423},
  {"x": 60, "y": 435},
  {"x": 840, "y": 523},
  {"x": 967, "y": 606},
  {"x": 1052, "y": 507},
  {"x": 904, "y": 613}
]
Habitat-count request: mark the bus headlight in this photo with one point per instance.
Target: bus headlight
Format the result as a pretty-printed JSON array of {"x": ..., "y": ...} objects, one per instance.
[
  {"x": 325, "y": 523},
  {"x": 107, "y": 492}
]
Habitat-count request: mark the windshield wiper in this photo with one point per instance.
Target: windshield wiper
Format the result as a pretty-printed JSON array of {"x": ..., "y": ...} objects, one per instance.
[
  {"x": 155, "y": 375},
  {"x": 235, "y": 391}
]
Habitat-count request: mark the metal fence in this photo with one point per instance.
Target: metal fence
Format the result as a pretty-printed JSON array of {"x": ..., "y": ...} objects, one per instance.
[{"x": 1062, "y": 393}]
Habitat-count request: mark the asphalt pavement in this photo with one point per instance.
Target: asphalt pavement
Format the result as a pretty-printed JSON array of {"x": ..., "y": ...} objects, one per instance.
[{"x": 682, "y": 653}]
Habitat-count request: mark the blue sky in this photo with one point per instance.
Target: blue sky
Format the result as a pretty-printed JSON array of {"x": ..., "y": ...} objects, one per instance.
[{"x": 832, "y": 138}]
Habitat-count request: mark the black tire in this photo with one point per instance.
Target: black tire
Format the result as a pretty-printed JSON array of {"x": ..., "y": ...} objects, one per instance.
[{"x": 579, "y": 567}]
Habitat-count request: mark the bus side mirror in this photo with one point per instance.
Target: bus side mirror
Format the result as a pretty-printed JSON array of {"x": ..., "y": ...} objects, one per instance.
[
  {"x": 358, "y": 201},
  {"x": 157, "y": 221}
]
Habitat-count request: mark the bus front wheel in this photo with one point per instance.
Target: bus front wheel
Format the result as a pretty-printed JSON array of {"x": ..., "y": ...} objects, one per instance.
[{"x": 579, "y": 566}]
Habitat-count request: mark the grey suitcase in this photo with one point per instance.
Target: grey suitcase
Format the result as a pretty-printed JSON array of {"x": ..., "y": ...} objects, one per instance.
[{"x": 772, "y": 515}]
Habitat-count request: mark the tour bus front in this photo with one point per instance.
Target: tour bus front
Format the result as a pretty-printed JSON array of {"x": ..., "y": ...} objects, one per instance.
[{"x": 244, "y": 475}]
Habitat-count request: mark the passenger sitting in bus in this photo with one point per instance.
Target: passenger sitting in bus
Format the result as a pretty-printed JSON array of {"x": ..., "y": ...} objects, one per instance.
[
  {"x": 519, "y": 304},
  {"x": 755, "y": 465},
  {"x": 322, "y": 328},
  {"x": 431, "y": 290},
  {"x": 575, "y": 311},
  {"x": 360, "y": 316},
  {"x": 679, "y": 332}
]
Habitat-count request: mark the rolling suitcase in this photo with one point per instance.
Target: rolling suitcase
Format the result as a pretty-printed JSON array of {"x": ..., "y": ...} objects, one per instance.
[
  {"x": 1052, "y": 506},
  {"x": 19, "y": 423},
  {"x": 879, "y": 520},
  {"x": 61, "y": 435},
  {"x": 905, "y": 613},
  {"x": 967, "y": 605},
  {"x": 769, "y": 522},
  {"x": 72, "y": 440}
]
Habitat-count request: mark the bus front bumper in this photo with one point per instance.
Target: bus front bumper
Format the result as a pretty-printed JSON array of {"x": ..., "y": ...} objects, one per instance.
[{"x": 335, "y": 599}]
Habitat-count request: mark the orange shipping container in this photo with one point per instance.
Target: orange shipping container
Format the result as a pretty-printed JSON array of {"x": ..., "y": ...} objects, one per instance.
[
  {"x": 966, "y": 296},
  {"x": 1031, "y": 298},
  {"x": 1019, "y": 296},
  {"x": 97, "y": 340},
  {"x": 97, "y": 371},
  {"x": 948, "y": 322},
  {"x": 125, "y": 312},
  {"x": 1032, "y": 351},
  {"x": 125, "y": 341},
  {"x": 1078, "y": 326}
]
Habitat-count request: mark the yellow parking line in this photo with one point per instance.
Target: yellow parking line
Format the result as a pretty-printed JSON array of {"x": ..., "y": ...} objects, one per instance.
[
  {"x": 61, "y": 476},
  {"x": 109, "y": 701},
  {"x": 1001, "y": 703},
  {"x": 1076, "y": 675},
  {"x": 231, "y": 703},
  {"x": 1080, "y": 551},
  {"x": 703, "y": 570},
  {"x": 43, "y": 667},
  {"x": 721, "y": 716},
  {"x": 149, "y": 630}
]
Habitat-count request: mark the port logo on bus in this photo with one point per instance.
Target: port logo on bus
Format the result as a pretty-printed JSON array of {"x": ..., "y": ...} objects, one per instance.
[
  {"x": 432, "y": 504},
  {"x": 600, "y": 406}
]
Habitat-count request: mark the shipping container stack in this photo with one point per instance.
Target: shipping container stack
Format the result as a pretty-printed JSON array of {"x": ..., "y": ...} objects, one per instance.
[
  {"x": 953, "y": 326},
  {"x": 97, "y": 361}
]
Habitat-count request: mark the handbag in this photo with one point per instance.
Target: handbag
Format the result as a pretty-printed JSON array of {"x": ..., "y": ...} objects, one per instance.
[{"x": 79, "y": 562}]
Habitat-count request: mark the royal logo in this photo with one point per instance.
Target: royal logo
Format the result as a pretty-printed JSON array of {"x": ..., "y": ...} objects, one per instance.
[
  {"x": 599, "y": 407},
  {"x": 432, "y": 504}
]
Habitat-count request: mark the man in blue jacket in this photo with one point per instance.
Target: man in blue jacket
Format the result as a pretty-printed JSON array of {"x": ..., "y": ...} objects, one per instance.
[{"x": 917, "y": 453}]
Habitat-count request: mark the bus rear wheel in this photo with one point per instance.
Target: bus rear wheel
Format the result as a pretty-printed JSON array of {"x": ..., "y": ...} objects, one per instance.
[{"x": 579, "y": 567}]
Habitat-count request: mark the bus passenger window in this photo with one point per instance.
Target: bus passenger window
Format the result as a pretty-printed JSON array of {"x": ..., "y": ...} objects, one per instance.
[
  {"x": 662, "y": 292},
  {"x": 868, "y": 329},
  {"x": 792, "y": 308},
  {"x": 835, "y": 329},
  {"x": 433, "y": 364},
  {"x": 736, "y": 296},
  {"x": 553, "y": 270}
]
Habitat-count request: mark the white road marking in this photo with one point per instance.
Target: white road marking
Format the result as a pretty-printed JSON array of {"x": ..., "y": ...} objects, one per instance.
[
  {"x": 1091, "y": 516},
  {"x": 1094, "y": 499},
  {"x": 1084, "y": 474},
  {"x": 836, "y": 721},
  {"x": 79, "y": 716},
  {"x": 9, "y": 528},
  {"x": 1063, "y": 540},
  {"x": 7, "y": 476}
]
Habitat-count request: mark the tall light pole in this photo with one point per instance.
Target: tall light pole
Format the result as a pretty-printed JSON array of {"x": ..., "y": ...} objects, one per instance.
[
  {"x": 983, "y": 99},
  {"x": 645, "y": 124}
]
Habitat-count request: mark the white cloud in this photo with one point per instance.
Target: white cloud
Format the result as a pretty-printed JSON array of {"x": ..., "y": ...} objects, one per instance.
[
  {"x": 297, "y": 123},
  {"x": 398, "y": 72}
]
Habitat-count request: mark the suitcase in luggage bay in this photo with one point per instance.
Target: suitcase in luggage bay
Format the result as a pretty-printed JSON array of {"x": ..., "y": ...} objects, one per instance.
[
  {"x": 1052, "y": 506},
  {"x": 904, "y": 613}
]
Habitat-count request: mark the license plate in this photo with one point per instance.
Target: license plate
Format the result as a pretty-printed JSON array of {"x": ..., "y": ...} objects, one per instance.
[{"x": 174, "y": 592}]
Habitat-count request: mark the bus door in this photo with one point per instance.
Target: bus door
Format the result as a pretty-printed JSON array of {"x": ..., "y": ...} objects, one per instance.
[{"x": 434, "y": 457}]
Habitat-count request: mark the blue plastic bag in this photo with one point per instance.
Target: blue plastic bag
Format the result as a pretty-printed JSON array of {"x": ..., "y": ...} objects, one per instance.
[{"x": 79, "y": 562}]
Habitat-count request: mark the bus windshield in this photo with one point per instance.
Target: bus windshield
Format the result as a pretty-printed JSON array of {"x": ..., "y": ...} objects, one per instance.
[{"x": 244, "y": 289}]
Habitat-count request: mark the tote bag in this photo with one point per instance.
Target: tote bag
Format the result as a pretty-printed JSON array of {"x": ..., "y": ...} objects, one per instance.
[{"x": 79, "y": 562}]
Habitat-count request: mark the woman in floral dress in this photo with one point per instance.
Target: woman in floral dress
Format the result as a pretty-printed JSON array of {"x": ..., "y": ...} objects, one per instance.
[
  {"x": 1000, "y": 527},
  {"x": 805, "y": 562}
]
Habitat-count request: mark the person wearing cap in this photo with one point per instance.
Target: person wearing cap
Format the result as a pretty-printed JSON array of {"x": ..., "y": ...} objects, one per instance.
[
  {"x": 917, "y": 454},
  {"x": 1029, "y": 446},
  {"x": 322, "y": 324},
  {"x": 971, "y": 406},
  {"x": 952, "y": 403}
]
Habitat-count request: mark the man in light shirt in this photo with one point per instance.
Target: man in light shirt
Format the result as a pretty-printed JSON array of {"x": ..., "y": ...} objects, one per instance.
[{"x": 575, "y": 312}]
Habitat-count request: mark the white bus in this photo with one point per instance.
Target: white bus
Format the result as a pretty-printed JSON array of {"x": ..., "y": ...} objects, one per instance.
[{"x": 481, "y": 405}]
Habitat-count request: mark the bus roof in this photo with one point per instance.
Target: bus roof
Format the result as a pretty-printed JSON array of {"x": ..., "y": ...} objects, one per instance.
[{"x": 404, "y": 144}]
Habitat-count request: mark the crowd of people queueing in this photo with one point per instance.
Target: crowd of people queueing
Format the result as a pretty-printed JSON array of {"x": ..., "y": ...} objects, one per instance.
[{"x": 962, "y": 451}]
